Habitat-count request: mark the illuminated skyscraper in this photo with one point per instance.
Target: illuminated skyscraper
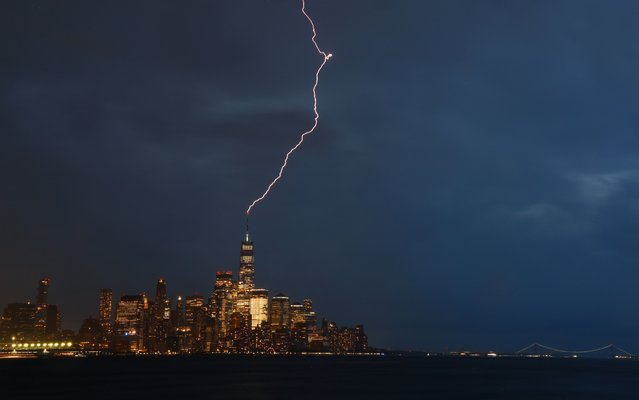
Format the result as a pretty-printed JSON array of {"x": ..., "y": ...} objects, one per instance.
[
  {"x": 223, "y": 301},
  {"x": 280, "y": 324},
  {"x": 280, "y": 315},
  {"x": 162, "y": 302},
  {"x": 106, "y": 310},
  {"x": 160, "y": 318},
  {"x": 129, "y": 319},
  {"x": 178, "y": 314},
  {"x": 42, "y": 299},
  {"x": 193, "y": 304},
  {"x": 43, "y": 292},
  {"x": 160, "y": 293},
  {"x": 297, "y": 314},
  {"x": 246, "y": 281},
  {"x": 259, "y": 307},
  {"x": 310, "y": 318},
  {"x": 239, "y": 338},
  {"x": 308, "y": 305},
  {"x": 195, "y": 319},
  {"x": 303, "y": 321},
  {"x": 128, "y": 316}
]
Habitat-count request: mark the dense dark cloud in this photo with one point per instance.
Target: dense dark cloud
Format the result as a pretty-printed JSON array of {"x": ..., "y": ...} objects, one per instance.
[{"x": 474, "y": 181}]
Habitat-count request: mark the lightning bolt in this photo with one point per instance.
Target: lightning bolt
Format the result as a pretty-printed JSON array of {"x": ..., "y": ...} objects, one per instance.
[{"x": 326, "y": 56}]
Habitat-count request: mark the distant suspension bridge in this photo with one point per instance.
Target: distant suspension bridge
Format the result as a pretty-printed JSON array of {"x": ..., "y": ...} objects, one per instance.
[{"x": 539, "y": 349}]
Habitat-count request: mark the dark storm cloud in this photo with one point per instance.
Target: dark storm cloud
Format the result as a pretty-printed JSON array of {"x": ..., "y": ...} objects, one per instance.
[{"x": 473, "y": 183}]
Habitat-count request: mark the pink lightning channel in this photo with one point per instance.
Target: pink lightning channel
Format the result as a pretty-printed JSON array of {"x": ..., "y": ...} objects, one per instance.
[{"x": 326, "y": 56}]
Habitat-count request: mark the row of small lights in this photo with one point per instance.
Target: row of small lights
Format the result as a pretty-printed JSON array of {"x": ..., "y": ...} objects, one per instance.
[{"x": 27, "y": 345}]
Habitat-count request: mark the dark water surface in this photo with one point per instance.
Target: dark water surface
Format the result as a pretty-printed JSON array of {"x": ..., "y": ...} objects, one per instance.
[{"x": 235, "y": 377}]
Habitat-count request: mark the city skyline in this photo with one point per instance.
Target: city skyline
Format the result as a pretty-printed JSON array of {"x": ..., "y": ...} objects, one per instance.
[
  {"x": 474, "y": 177},
  {"x": 236, "y": 317},
  {"x": 243, "y": 279}
]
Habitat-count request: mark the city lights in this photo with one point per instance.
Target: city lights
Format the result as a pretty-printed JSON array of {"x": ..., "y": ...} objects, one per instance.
[{"x": 237, "y": 317}]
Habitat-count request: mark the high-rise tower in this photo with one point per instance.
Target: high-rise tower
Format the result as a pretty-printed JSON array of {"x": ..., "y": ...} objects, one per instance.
[
  {"x": 246, "y": 281},
  {"x": 129, "y": 323},
  {"x": 160, "y": 318},
  {"x": 106, "y": 310},
  {"x": 42, "y": 301},
  {"x": 280, "y": 312},
  {"x": 162, "y": 301},
  {"x": 43, "y": 292},
  {"x": 193, "y": 304},
  {"x": 160, "y": 290},
  {"x": 259, "y": 307},
  {"x": 222, "y": 303},
  {"x": 178, "y": 318}
]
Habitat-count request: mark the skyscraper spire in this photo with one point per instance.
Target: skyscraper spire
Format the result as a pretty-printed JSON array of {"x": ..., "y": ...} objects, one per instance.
[{"x": 246, "y": 281}]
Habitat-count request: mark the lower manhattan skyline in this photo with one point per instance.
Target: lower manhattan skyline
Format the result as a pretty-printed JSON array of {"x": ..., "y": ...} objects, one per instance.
[
  {"x": 236, "y": 317},
  {"x": 325, "y": 199},
  {"x": 472, "y": 182}
]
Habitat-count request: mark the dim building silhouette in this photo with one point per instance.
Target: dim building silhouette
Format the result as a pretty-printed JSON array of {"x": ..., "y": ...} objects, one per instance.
[
  {"x": 32, "y": 321},
  {"x": 91, "y": 334},
  {"x": 19, "y": 320},
  {"x": 105, "y": 310},
  {"x": 160, "y": 319},
  {"x": 42, "y": 298}
]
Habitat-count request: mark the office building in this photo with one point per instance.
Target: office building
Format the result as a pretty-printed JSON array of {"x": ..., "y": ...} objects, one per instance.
[
  {"x": 129, "y": 323},
  {"x": 223, "y": 301},
  {"x": 280, "y": 312},
  {"x": 106, "y": 311},
  {"x": 160, "y": 319},
  {"x": 259, "y": 307},
  {"x": 246, "y": 281},
  {"x": 42, "y": 298},
  {"x": 19, "y": 321}
]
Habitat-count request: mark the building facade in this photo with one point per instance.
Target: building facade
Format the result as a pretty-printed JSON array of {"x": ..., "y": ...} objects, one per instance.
[
  {"x": 259, "y": 307},
  {"x": 246, "y": 281},
  {"x": 129, "y": 323},
  {"x": 105, "y": 311}
]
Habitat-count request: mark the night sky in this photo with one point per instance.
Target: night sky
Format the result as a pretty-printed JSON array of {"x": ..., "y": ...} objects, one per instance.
[{"x": 473, "y": 182}]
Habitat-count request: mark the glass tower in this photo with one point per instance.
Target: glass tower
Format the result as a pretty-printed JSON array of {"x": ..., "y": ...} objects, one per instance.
[{"x": 246, "y": 281}]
